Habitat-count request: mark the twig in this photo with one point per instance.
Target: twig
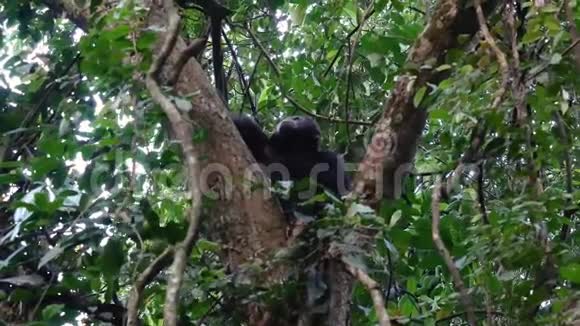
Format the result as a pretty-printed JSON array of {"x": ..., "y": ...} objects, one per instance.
[
  {"x": 145, "y": 278},
  {"x": 450, "y": 317},
  {"x": 481, "y": 194},
  {"x": 546, "y": 277},
  {"x": 488, "y": 308},
  {"x": 500, "y": 56},
  {"x": 471, "y": 156},
  {"x": 415, "y": 9},
  {"x": 572, "y": 29},
  {"x": 192, "y": 50},
  {"x": 375, "y": 292},
  {"x": 240, "y": 71},
  {"x": 569, "y": 213},
  {"x": 351, "y": 52},
  {"x": 509, "y": 17},
  {"x": 252, "y": 75},
  {"x": 209, "y": 311},
  {"x": 49, "y": 85},
  {"x": 290, "y": 98},
  {"x": 347, "y": 39},
  {"x": 519, "y": 91},
  {"x": 184, "y": 133},
  {"x": 545, "y": 66},
  {"x": 444, "y": 253},
  {"x": 390, "y": 282},
  {"x": 42, "y": 296}
]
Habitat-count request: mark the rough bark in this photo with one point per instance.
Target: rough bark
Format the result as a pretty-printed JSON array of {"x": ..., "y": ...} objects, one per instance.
[{"x": 392, "y": 148}]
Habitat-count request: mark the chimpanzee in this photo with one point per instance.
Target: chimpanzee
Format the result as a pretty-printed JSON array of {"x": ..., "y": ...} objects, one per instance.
[
  {"x": 254, "y": 137},
  {"x": 295, "y": 145}
]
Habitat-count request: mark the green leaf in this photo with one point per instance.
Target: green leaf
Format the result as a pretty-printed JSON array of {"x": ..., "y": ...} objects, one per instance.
[
  {"x": 10, "y": 178},
  {"x": 395, "y": 218},
  {"x": 419, "y": 96},
  {"x": 439, "y": 114},
  {"x": 375, "y": 59},
  {"x": 52, "y": 146},
  {"x": 113, "y": 258},
  {"x": 571, "y": 272},
  {"x": 206, "y": 245},
  {"x": 51, "y": 311},
  {"x": 146, "y": 40},
  {"x": 556, "y": 58},
  {"x": 552, "y": 24},
  {"x": 297, "y": 14}
]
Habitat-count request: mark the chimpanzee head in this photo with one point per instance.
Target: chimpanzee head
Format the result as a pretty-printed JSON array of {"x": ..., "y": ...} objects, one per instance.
[{"x": 297, "y": 133}]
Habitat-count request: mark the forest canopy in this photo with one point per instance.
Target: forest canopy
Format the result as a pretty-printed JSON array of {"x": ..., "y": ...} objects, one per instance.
[{"x": 157, "y": 158}]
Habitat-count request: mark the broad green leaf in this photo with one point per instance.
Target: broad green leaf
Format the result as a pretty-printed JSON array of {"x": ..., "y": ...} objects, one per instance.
[
  {"x": 419, "y": 96},
  {"x": 571, "y": 272}
]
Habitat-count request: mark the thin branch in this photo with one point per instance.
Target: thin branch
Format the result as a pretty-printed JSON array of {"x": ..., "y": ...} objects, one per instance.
[
  {"x": 390, "y": 282},
  {"x": 481, "y": 194},
  {"x": 444, "y": 253},
  {"x": 546, "y": 276},
  {"x": 145, "y": 278},
  {"x": 500, "y": 56},
  {"x": 573, "y": 30},
  {"x": 471, "y": 156},
  {"x": 459, "y": 314},
  {"x": 509, "y": 14},
  {"x": 43, "y": 295},
  {"x": 519, "y": 92},
  {"x": 193, "y": 50},
  {"x": 290, "y": 98},
  {"x": 347, "y": 39},
  {"x": 184, "y": 133},
  {"x": 569, "y": 213},
  {"x": 220, "y": 80},
  {"x": 351, "y": 52},
  {"x": 250, "y": 80},
  {"x": 545, "y": 66},
  {"x": 375, "y": 292},
  {"x": 240, "y": 71},
  {"x": 488, "y": 308},
  {"x": 415, "y": 9},
  {"x": 210, "y": 310}
]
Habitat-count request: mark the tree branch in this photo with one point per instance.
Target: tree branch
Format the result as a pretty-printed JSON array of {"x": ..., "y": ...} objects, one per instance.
[
  {"x": 193, "y": 50},
  {"x": 500, "y": 56},
  {"x": 573, "y": 30},
  {"x": 375, "y": 291},
  {"x": 245, "y": 84},
  {"x": 184, "y": 132},
  {"x": 347, "y": 39},
  {"x": 444, "y": 253},
  {"x": 352, "y": 48},
  {"x": 145, "y": 278}
]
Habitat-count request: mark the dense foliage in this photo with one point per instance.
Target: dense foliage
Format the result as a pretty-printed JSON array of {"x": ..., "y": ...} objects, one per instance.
[{"x": 92, "y": 185}]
